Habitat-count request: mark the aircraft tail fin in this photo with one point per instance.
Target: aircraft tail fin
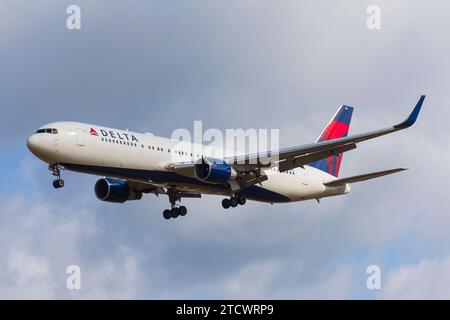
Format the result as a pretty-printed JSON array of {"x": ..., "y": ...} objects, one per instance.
[{"x": 338, "y": 127}]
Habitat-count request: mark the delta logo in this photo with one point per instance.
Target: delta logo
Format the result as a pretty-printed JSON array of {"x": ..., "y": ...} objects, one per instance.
[
  {"x": 125, "y": 136},
  {"x": 93, "y": 132}
]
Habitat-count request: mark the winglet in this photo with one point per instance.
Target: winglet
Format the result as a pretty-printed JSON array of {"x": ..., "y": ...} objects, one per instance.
[{"x": 412, "y": 117}]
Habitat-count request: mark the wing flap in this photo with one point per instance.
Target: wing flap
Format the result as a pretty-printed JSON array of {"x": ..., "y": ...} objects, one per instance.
[
  {"x": 362, "y": 177},
  {"x": 300, "y": 161}
]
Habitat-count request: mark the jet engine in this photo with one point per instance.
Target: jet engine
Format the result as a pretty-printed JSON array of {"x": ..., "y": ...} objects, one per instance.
[
  {"x": 115, "y": 190},
  {"x": 214, "y": 171}
]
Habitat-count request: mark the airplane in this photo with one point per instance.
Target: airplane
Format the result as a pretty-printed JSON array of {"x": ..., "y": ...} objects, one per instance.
[{"x": 132, "y": 164}]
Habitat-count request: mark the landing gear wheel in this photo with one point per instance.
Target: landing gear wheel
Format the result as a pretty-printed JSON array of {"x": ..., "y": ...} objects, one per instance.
[
  {"x": 56, "y": 172},
  {"x": 59, "y": 183},
  {"x": 234, "y": 202},
  {"x": 182, "y": 210},
  {"x": 226, "y": 203},
  {"x": 175, "y": 212},
  {"x": 241, "y": 199},
  {"x": 167, "y": 214}
]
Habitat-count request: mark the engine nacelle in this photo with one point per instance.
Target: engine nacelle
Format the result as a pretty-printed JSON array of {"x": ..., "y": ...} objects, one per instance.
[
  {"x": 214, "y": 171},
  {"x": 115, "y": 190}
]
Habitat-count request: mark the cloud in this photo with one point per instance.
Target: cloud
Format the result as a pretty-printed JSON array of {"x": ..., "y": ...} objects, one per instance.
[
  {"x": 29, "y": 276},
  {"x": 427, "y": 279},
  {"x": 40, "y": 240},
  {"x": 262, "y": 280}
]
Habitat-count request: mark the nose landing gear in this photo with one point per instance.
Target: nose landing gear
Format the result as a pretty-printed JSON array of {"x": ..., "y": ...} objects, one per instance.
[
  {"x": 56, "y": 171},
  {"x": 58, "y": 183},
  {"x": 234, "y": 201}
]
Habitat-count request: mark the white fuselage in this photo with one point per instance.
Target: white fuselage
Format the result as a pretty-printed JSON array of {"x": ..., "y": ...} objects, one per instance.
[{"x": 146, "y": 158}]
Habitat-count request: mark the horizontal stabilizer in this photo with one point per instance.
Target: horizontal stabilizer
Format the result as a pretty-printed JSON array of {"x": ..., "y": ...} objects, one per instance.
[{"x": 362, "y": 177}]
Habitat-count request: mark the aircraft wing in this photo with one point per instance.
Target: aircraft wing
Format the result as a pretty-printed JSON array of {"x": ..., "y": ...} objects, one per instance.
[
  {"x": 250, "y": 166},
  {"x": 289, "y": 158},
  {"x": 182, "y": 190}
]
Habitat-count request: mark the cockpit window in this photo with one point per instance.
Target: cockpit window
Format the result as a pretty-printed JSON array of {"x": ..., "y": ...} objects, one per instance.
[{"x": 51, "y": 131}]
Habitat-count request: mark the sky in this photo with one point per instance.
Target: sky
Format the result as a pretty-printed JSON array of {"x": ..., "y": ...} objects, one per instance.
[{"x": 155, "y": 66}]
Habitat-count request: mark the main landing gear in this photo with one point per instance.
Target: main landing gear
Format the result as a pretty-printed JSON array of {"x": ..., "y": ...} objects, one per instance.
[
  {"x": 234, "y": 201},
  {"x": 56, "y": 171},
  {"x": 175, "y": 211}
]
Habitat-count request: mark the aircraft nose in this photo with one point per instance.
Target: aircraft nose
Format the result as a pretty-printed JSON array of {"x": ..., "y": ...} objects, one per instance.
[{"x": 33, "y": 143}]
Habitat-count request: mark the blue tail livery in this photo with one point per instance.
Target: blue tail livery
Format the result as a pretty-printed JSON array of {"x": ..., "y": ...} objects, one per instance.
[{"x": 337, "y": 128}]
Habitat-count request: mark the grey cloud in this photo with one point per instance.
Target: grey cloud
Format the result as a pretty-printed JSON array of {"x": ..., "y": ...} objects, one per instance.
[
  {"x": 427, "y": 279},
  {"x": 266, "y": 64}
]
